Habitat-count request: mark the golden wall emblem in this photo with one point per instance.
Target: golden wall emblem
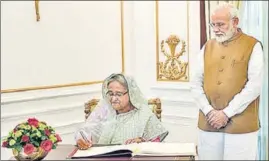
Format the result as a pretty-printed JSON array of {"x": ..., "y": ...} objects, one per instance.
[{"x": 173, "y": 68}]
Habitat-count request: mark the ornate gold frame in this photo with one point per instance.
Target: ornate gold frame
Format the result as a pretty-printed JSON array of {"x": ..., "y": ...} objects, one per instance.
[
  {"x": 158, "y": 64},
  {"x": 80, "y": 83}
]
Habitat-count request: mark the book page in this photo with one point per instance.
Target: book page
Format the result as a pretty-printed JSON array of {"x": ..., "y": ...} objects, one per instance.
[
  {"x": 93, "y": 151},
  {"x": 165, "y": 149},
  {"x": 143, "y": 149}
]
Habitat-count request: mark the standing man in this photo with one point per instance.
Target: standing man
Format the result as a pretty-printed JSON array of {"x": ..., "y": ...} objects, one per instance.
[{"x": 226, "y": 86}]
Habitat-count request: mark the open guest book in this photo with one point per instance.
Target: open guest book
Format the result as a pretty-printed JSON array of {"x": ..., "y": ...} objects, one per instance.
[{"x": 136, "y": 149}]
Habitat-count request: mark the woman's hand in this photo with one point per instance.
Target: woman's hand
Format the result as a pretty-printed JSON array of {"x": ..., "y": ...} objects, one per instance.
[
  {"x": 135, "y": 140},
  {"x": 83, "y": 145}
]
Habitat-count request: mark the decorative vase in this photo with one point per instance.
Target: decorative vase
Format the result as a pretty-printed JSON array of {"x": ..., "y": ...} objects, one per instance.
[{"x": 37, "y": 155}]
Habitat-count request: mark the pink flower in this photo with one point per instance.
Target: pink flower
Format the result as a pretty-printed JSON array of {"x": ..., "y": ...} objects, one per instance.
[
  {"x": 29, "y": 149},
  {"x": 46, "y": 145},
  {"x": 58, "y": 138},
  {"x": 4, "y": 144},
  {"x": 25, "y": 138},
  {"x": 47, "y": 132},
  {"x": 33, "y": 122}
]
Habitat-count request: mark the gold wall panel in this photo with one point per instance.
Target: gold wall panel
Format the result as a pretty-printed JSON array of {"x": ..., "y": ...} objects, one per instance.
[{"x": 173, "y": 68}]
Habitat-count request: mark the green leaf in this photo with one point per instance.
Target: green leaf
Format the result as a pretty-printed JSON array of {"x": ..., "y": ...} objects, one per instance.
[
  {"x": 10, "y": 133},
  {"x": 43, "y": 137},
  {"x": 32, "y": 135},
  {"x": 42, "y": 132},
  {"x": 54, "y": 146},
  {"x": 35, "y": 143},
  {"x": 18, "y": 147}
]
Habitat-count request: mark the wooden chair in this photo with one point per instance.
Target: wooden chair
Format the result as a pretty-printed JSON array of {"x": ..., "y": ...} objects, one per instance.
[{"x": 154, "y": 104}]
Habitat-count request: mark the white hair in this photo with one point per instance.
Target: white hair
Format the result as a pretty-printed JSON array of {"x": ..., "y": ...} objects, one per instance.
[{"x": 233, "y": 11}]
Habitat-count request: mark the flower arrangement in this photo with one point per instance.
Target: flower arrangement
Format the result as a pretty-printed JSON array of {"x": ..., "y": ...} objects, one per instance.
[{"x": 31, "y": 136}]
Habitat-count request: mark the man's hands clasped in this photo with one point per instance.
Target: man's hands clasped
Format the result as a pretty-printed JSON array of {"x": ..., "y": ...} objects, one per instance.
[{"x": 217, "y": 119}]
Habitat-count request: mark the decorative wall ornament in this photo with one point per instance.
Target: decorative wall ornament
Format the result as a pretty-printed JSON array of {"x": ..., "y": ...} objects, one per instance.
[
  {"x": 37, "y": 10},
  {"x": 173, "y": 68}
]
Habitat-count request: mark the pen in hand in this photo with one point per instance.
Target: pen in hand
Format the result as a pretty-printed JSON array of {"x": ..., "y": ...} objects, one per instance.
[
  {"x": 84, "y": 144},
  {"x": 84, "y": 137}
]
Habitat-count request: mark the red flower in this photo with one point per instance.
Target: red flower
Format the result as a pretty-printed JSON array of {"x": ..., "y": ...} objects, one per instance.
[
  {"x": 58, "y": 138},
  {"x": 25, "y": 138},
  {"x": 46, "y": 145},
  {"x": 29, "y": 149},
  {"x": 47, "y": 132},
  {"x": 33, "y": 121},
  {"x": 5, "y": 143}
]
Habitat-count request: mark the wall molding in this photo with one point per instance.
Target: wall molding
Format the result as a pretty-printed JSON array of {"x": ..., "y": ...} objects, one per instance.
[
  {"x": 176, "y": 124},
  {"x": 42, "y": 95},
  {"x": 183, "y": 101},
  {"x": 54, "y": 110},
  {"x": 49, "y": 87},
  {"x": 67, "y": 128},
  {"x": 178, "y": 117},
  {"x": 169, "y": 102},
  {"x": 178, "y": 120},
  {"x": 171, "y": 86},
  {"x": 67, "y": 125}
]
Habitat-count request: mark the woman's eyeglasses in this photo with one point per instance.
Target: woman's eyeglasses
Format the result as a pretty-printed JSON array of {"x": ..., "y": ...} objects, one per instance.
[{"x": 110, "y": 94}]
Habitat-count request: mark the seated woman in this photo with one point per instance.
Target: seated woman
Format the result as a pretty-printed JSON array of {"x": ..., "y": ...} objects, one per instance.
[{"x": 121, "y": 117}]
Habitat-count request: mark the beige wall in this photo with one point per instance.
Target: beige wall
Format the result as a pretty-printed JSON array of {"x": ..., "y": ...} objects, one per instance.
[{"x": 70, "y": 44}]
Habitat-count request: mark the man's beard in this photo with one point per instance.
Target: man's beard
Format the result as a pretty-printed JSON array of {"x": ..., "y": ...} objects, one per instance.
[{"x": 225, "y": 35}]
